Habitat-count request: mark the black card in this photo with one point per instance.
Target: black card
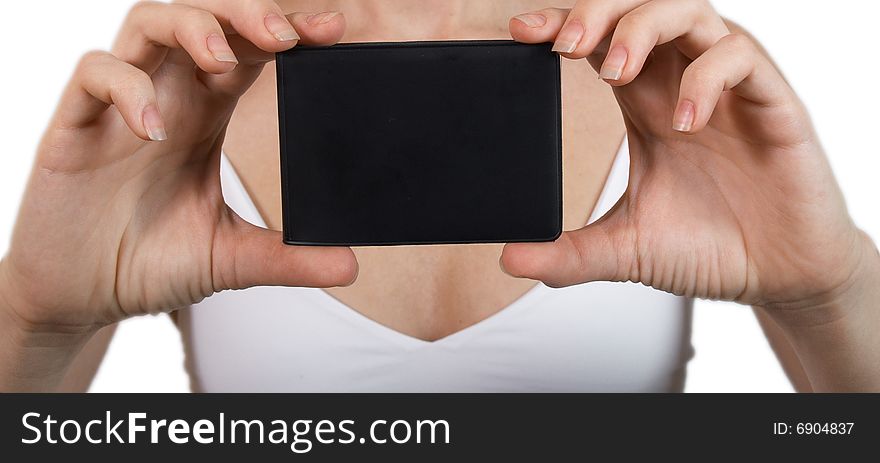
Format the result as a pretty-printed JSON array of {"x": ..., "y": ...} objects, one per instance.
[{"x": 420, "y": 143}]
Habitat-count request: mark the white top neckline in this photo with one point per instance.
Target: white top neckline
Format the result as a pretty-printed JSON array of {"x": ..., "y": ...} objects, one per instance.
[{"x": 592, "y": 337}]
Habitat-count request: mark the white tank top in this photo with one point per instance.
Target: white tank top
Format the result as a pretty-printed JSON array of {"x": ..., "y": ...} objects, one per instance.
[{"x": 590, "y": 337}]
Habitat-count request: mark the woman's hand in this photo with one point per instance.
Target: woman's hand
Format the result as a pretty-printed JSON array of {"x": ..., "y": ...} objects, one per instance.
[
  {"x": 123, "y": 214},
  {"x": 730, "y": 194}
]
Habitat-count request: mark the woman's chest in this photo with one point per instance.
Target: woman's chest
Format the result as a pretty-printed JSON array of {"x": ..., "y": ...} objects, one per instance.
[{"x": 433, "y": 291}]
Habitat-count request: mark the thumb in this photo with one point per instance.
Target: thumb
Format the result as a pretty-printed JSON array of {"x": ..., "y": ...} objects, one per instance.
[
  {"x": 246, "y": 255},
  {"x": 597, "y": 252}
]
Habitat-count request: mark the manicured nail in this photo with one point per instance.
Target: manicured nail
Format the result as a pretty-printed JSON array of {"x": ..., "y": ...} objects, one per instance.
[
  {"x": 532, "y": 19},
  {"x": 220, "y": 49},
  {"x": 684, "y": 116},
  {"x": 321, "y": 18},
  {"x": 569, "y": 37},
  {"x": 153, "y": 124},
  {"x": 612, "y": 68},
  {"x": 280, "y": 28}
]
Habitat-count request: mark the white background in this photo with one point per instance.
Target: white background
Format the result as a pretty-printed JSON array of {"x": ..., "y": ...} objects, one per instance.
[{"x": 828, "y": 51}]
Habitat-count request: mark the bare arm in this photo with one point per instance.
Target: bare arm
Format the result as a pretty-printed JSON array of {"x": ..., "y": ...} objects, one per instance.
[
  {"x": 84, "y": 367},
  {"x": 784, "y": 351},
  {"x": 835, "y": 337},
  {"x": 133, "y": 186},
  {"x": 713, "y": 125},
  {"x": 31, "y": 359}
]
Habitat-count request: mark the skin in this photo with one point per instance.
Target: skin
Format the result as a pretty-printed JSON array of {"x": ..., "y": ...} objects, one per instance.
[{"x": 730, "y": 196}]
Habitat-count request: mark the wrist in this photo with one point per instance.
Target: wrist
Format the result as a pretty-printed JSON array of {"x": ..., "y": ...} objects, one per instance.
[
  {"x": 834, "y": 336},
  {"x": 33, "y": 356},
  {"x": 843, "y": 298},
  {"x": 28, "y": 319}
]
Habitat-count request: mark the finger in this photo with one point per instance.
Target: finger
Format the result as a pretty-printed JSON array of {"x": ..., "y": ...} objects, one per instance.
[
  {"x": 102, "y": 80},
  {"x": 588, "y": 24},
  {"x": 151, "y": 28},
  {"x": 262, "y": 22},
  {"x": 247, "y": 256},
  {"x": 598, "y": 252},
  {"x": 324, "y": 28},
  {"x": 694, "y": 23},
  {"x": 315, "y": 29},
  {"x": 538, "y": 26},
  {"x": 734, "y": 64}
]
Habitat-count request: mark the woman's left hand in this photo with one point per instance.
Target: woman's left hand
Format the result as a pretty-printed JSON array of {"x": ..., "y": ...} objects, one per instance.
[{"x": 730, "y": 193}]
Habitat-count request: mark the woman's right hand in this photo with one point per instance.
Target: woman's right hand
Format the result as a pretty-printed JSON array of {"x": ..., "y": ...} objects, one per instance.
[{"x": 123, "y": 214}]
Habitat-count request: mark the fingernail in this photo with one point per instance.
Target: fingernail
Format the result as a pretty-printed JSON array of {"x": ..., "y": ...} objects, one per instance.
[
  {"x": 569, "y": 37},
  {"x": 280, "y": 28},
  {"x": 321, "y": 18},
  {"x": 153, "y": 124},
  {"x": 220, "y": 49},
  {"x": 532, "y": 19},
  {"x": 612, "y": 68},
  {"x": 684, "y": 116}
]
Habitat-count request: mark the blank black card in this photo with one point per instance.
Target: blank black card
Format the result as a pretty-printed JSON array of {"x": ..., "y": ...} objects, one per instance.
[{"x": 420, "y": 143}]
